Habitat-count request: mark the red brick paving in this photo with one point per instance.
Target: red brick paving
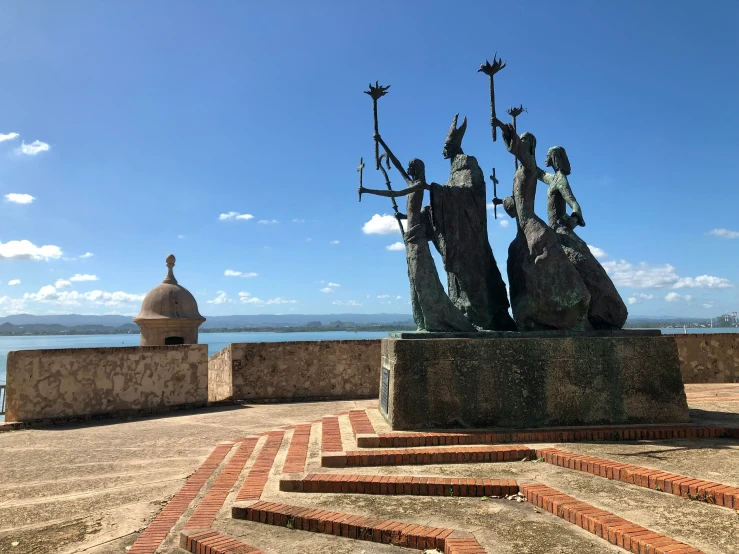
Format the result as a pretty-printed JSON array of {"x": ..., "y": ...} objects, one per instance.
[
  {"x": 569, "y": 434},
  {"x": 361, "y": 424},
  {"x": 214, "y": 543},
  {"x": 331, "y": 435},
  {"x": 606, "y": 525},
  {"x": 358, "y": 527},
  {"x": 680, "y": 485},
  {"x": 259, "y": 473},
  {"x": 397, "y": 484},
  {"x": 297, "y": 452},
  {"x": 208, "y": 508},
  {"x": 420, "y": 456},
  {"x": 159, "y": 528}
]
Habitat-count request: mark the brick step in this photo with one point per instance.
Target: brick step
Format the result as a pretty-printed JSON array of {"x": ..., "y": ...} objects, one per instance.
[
  {"x": 418, "y": 456},
  {"x": 259, "y": 472},
  {"x": 331, "y": 435},
  {"x": 162, "y": 524},
  {"x": 680, "y": 485},
  {"x": 397, "y": 485},
  {"x": 298, "y": 450},
  {"x": 207, "y": 510},
  {"x": 357, "y": 527},
  {"x": 606, "y": 525},
  {"x": 569, "y": 434},
  {"x": 360, "y": 422},
  {"x": 213, "y": 542}
]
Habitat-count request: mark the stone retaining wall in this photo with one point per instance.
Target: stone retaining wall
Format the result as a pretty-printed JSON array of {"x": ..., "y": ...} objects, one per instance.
[
  {"x": 219, "y": 376},
  {"x": 272, "y": 371},
  {"x": 709, "y": 358},
  {"x": 74, "y": 382}
]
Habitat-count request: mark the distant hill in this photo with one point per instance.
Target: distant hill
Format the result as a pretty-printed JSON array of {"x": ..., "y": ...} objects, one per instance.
[{"x": 213, "y": 322}]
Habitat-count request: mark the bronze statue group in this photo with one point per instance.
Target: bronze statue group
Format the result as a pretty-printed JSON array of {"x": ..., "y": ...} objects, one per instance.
[{"x": 555, "y": 282}]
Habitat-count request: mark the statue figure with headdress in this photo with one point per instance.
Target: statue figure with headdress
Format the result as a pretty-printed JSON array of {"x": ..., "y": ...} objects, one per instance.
[{"x": 456, "y": 219}]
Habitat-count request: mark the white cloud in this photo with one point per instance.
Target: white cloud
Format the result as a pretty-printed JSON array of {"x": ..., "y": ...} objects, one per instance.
[
  {"x": 675, "y": 297},
  {"x": 334, "y": 284},
  {"x": 599, "y": 253},
  {"x": 708, "y": 304},
  {"x": 247, "y": 298},
  {"x": 503, "y": 223},
  {"x": 221, "y": 298},
  {"x": 327, "y": 290},
  {"x": 83, "y": 277},
  {"x": 62, "y": 283},
  {"x": 235, "y": 215},
  {"x": 14, "y": 282},
  {"x": 267, "y": 221},
  {"x": 12, "y": 305},
  {"x": 112, "y": 298},
  {"x": 398, "y": 297},
  {"x": 383, "y": 296},
  {"x": 17, "y": 198},
  {"x": 232, "y": 273},
  {"x": 644, "y": 276},
  {"x": 279, "y": 300},
  {"x": 180, "y": 236},
  {"x": 298, "y": 220},
  {"x": 34, "y": 148},
  {"x": 26, "y": 250},
  {"x": 347, "y": 303},
  {"x": 703, "y": 282},
  {"x": 395, "y": 246},
  {"x": 86, "y": 255},
  {"x": 9, "y": 136},
  {"x": 638, "y": 297},
  {"x": 382, "y": 225},
  {"x": 334, "y": 242},
  {"x": 49, "y": 294},
  {"x": 724, "y": 233}
]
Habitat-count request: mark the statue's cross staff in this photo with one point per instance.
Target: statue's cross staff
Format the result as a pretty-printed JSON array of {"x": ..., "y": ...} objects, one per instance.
[
  {"x": 376, "y": 92},
  {"x": 360, "y": 167},
  {"x": 495, "y": 194},
  {"x": 514, "y": 113},
  {"x": 490, "y": 70}
]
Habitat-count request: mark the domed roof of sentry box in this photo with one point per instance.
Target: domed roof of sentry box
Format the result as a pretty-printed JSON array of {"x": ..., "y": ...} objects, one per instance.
[{"x": 169, "y": 300}]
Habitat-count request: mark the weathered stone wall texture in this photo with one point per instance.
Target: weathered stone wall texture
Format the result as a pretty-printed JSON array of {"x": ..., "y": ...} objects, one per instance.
[
  {"x": 88, "y": 381},
  {"x": 709, "y": 358},
  {"x": 533, "y": 382},
  {"x": 301, "y": 370},
  {"x": 219, "y": 376}
]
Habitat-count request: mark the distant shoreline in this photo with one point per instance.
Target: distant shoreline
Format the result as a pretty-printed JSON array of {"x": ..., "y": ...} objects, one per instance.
[{"x": 20, "y": 332}]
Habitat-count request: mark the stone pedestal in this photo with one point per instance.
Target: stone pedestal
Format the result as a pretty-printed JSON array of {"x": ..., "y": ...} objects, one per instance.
[{"x": 483, "y": 380}]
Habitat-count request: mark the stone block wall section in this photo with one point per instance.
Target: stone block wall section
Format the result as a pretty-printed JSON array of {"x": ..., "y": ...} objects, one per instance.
[
  {"x": 73, "y": 383},
  {"x": 219, "y": 376},
  {"x": 307, "y": 370},
  {"x": 709, "y": 358}
]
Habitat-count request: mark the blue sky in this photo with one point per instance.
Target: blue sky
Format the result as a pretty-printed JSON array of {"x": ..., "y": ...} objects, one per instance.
[{"x": 139, "y": 123}]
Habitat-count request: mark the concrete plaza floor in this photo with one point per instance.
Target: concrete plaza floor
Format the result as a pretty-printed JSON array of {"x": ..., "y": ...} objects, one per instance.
[{"x": 93, "y": 488}]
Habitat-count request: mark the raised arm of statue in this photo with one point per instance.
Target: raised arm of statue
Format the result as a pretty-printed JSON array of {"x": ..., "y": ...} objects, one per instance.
[
  {"x": 395, "y": 193},
  {"x": 394, "y": 160},
  {"x": 563, "y": 186},
  {"x": 515, "y": 145},
  {"x": 544, "y": 177}
]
